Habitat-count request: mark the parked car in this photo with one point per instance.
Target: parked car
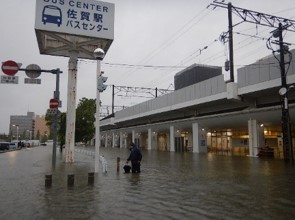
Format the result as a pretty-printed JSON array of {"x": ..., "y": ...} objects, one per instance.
[
  {"x": 12, "y": 146},
  {"x": 4, "y": 146}
]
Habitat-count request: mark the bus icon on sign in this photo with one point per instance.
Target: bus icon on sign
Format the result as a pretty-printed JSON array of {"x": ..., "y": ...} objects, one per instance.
[{"x": 52, "y": 14}]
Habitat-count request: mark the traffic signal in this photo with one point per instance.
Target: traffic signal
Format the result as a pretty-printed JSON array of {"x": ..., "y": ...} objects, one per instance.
[{"x": 100, "y": 84}]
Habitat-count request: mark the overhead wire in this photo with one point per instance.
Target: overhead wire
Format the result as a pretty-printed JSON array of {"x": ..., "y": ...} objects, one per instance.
[
  {"x": 176, "y": 36},
  {"x": 193, "y": 55}
]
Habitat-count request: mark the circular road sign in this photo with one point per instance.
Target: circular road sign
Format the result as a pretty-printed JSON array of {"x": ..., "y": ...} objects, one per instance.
[
  {"x": 10, "y": 67},
  {"x": 33, "y": 71},
  {"x": 53, "y": 103}
]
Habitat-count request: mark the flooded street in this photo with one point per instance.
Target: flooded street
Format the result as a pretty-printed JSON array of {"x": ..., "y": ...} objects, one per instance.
[{"x": 170, "y": 186}]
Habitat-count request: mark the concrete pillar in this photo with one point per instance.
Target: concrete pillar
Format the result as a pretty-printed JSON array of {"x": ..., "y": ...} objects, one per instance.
[
  {"x": 172, "y": 139},
  {"x": 71, "y": 107},
  {"x": 121, "y": 139},
  {"x": 199, "y": 139},
  {"x": 150, "y": 138},
  {"x": 114, "y": 140},
  {"x": 133, "y": 136},
  {"x": 168, "y": 141},
  {"x": 106, "y": 140},
  {"x": 155, "y": 140},
  {"x": 255, "y": 137},
  {"x": 125, "y": 142},
  {"x": 190, "y": 141}
]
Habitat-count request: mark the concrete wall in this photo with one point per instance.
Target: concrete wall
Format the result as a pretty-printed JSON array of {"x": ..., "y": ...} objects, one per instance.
[
  {"x": 208, "y": 90},
  {"x": 264, "y": 70}
]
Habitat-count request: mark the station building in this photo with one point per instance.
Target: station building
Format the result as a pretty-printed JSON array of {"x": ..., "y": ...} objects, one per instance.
[{"x": 210, "y": 114}]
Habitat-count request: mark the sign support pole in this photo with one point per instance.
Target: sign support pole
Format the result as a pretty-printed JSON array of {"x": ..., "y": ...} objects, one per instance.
[
  {"x": 71, "y": 107},
  {"x": 55, "y": 118}
]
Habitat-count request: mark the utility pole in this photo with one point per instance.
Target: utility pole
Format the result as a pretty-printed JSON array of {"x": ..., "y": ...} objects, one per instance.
[
  {"x": 281, "y": 24},
  {"x": 113, "y": 99},
  {"x": 230, "y": 42},
  {"x": 286, "y": 124}
]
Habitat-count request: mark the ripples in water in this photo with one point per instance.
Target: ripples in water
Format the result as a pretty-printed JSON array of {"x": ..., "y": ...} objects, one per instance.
[{"x": 171, "y": 186}]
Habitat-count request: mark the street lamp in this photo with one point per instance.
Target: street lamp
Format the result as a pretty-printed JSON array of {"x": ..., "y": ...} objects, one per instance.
[
  {"x": 16, "y": 132},
  {"x": 30, "y": 136},
  {"x": 99, "y": 55}
]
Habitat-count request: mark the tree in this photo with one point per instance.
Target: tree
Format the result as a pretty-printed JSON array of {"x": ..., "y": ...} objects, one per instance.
[
  {"x": 38, "y": 135},
  {"x": 23, "y": 136},
  {"x": 85, "y": 118},
  {"x": 44, "y": 138}
]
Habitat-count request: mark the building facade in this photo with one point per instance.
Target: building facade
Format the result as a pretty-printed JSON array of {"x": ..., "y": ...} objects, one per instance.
[
  {"x": 22, "y": 126},
  {"x": 40, "y": 126},
  {"x": 26, "y": 127},
  {"x": 232, "y": 118}
]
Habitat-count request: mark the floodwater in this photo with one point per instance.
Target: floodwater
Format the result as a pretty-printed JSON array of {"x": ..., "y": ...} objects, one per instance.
[{"x": 170, "y": 186}]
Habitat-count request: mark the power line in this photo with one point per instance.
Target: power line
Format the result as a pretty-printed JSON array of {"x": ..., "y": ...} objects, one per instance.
[
  {"x": 180, "y": 32},
  {"x": 141, "y": 66}
]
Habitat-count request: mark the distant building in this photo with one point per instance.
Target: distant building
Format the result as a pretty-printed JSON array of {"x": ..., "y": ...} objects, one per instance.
[
  {"x": 28, "y": 126},
  {"x": 40, "y": 126},
  {"x": 22, "y": 125}
]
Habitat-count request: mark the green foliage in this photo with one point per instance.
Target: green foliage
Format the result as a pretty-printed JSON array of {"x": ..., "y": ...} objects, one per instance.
[
  {"x": 44, "y": 138},
  {"x": 85, "y": 118},
  {"x": 38, "y": 135},
  {"x": 23, "y": 136}
]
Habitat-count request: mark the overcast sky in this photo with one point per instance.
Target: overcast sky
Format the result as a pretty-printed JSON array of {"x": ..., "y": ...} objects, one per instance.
[{"x": 157, "y": 33}]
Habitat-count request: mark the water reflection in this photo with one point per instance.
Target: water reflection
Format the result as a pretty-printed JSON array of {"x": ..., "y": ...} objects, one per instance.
[{"x": 171, "y": 186}]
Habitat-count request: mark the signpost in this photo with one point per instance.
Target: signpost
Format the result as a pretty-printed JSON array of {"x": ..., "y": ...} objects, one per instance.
[
  {"x": 10, "y": 67},
  {"x": 53, "y": 103},
  {"x": 33, "y": 71},
  {"x": 9, "y": 79},
  {"x": 73, "y": 29},
  {"x": 62, "y": 26},
  {"x": 51, "y": 111}
]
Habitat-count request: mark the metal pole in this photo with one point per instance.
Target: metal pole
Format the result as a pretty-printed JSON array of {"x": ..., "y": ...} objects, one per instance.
[
  {"x": 113, "y": 99},
  {"x": 71, "y": 107},
  {"x": 97, "y": 125},
  {"x": 286, "y": 127},
  {"x": 230, "y": 43},
  {"x": 55, "y": 118},
  {"x": 17, "y": 133}
]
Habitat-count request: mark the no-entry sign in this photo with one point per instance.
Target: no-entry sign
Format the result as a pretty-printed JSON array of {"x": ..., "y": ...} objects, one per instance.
[
  {"x": 10, "y": 67},
  {"x": 53, "y": 103}
]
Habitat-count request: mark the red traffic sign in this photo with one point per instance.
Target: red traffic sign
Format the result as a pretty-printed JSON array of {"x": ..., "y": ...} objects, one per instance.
[
  {"x": 53, "y": 104},
  {"x": 10, "y": 67}
]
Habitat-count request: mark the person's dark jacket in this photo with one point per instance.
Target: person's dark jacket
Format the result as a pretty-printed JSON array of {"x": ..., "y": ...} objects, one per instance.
[{"x": 135, "y": 154}]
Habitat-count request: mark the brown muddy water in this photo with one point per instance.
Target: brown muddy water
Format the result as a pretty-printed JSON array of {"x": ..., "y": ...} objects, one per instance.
[{"x": 170, "y": 186}]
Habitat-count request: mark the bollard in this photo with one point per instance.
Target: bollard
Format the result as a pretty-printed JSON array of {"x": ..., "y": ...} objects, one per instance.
[
  {"x": 90, "y": 179},
  {"x": 71, "y": 180},
  {"x": 118, "y": 164},
  {"x": 48, "y": 180}
]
